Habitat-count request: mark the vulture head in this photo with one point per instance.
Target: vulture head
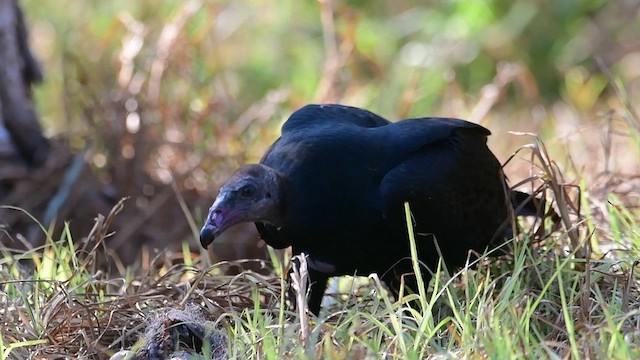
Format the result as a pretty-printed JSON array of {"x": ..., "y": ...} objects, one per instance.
[{"x": 251, "y": 194}]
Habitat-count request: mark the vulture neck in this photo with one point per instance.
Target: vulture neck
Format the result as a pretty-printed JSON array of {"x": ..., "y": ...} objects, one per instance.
[{"x": 279, "y": 190}]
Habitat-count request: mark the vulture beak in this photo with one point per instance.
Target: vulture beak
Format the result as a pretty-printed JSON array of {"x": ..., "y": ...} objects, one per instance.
[
  {"x": 218, "y": 220},
  {"x": 207, "y": 235}
]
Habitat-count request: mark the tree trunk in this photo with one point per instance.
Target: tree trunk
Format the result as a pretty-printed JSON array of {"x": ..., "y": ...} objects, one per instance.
[{"x": 18, "y": 71}]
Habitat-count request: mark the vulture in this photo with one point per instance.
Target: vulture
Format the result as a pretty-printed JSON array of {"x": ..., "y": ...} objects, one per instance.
[{"x": 333, "y": 186}]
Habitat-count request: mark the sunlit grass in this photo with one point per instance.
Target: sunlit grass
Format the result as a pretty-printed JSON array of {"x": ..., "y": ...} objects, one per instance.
[{"x": 540, "y": 303}]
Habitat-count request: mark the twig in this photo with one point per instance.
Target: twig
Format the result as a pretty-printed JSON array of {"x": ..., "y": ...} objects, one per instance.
[
  {"x": 300, "y": 283},
  {"x": 165, "y": 43},
  {"x": 69, "y": 180}
]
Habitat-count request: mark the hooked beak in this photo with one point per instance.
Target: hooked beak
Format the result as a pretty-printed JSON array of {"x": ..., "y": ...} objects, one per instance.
[
  {"x": 207, "y": 235},
  {"x": 218, "y": 220}
]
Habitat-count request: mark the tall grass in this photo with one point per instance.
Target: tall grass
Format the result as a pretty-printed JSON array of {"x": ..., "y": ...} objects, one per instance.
[{"x": 540, "y": 302}]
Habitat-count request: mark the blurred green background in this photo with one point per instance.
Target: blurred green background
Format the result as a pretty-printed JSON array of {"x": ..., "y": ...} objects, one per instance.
[
  {"x": 399, "y": 58},
  {"x": 183, "y": 92}
]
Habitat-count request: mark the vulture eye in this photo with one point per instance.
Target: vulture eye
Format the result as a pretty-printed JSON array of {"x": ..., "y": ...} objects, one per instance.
[{"x": 248, "y": 191}]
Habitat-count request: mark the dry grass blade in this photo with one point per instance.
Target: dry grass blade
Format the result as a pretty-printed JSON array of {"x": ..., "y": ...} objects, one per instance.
[
  {"x": 165, "y": 43},
  {"x": 633, "y": 117},
  {"x": 553, "y": 180},
  {"x": 300, "y": 284},
  {"x": 101, "y": 315},
  {"x": 95, "y": 313}
]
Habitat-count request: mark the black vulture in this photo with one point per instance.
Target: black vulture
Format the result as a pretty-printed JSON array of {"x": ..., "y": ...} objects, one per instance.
[{"x": 334, "y": 186}]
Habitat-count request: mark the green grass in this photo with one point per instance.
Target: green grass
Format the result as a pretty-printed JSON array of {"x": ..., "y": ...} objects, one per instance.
[{"x": 541, "y": 302}]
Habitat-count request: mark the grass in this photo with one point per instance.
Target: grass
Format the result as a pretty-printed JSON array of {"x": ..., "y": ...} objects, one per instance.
[{"x": 545, "y": 300}]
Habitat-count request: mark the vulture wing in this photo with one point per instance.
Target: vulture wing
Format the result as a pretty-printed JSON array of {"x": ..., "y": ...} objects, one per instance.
[
  {"x": 453, "y": 183},
  {"x": 313, "y": 115},
  {"x": 305, "y": 122}
]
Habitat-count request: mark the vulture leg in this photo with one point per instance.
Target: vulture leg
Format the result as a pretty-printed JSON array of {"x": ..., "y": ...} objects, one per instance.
[
  {"x": 318, "y": 282},
  {"x": 397, "y": 277}
]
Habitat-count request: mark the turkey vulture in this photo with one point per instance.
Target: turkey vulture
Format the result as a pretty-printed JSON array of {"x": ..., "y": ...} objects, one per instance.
[{"x": 334, "y": 185}]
